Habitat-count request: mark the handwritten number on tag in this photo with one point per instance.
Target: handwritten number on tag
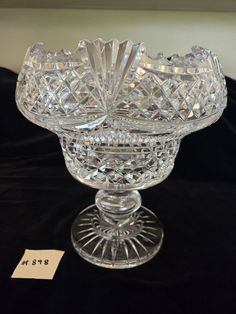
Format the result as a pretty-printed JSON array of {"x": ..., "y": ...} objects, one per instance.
[{"x": 35, "y": 262}]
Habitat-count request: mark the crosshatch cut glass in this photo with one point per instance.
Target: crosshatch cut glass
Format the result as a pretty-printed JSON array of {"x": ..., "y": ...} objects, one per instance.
[{"x": 120, "y": 116}]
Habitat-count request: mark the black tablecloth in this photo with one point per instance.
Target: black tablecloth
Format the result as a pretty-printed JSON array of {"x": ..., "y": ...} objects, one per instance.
[{"x": 195, "y": 271}]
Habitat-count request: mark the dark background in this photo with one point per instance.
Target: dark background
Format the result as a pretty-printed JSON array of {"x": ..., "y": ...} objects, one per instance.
[{"x": 195, "y": 271}]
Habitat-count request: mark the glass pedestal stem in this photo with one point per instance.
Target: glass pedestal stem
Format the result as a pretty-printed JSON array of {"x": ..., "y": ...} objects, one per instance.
[{"x": 118, "y": 207}]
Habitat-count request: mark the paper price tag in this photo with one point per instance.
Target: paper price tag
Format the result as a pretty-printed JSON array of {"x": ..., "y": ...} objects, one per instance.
[{"x": 38, "y": 264}]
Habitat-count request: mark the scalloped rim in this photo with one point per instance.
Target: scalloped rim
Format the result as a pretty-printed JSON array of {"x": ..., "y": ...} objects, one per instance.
[{"x": 199, "y": 57}]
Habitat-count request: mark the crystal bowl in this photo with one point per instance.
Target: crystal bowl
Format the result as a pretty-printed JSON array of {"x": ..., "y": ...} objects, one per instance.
[{"x": 120, "y": 116}]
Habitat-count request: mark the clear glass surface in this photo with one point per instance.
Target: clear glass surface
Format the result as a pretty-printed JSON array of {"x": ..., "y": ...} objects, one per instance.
[{"x": 120, "y": 116}]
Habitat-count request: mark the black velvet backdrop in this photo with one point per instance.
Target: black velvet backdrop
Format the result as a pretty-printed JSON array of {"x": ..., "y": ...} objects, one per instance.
[{"x": 195, "y": 271}]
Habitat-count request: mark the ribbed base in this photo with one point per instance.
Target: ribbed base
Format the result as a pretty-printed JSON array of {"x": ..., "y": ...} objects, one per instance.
[{"x": 116, "y": 246}]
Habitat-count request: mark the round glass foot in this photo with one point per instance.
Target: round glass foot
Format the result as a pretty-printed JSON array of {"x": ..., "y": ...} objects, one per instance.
[{"x": 127, "y": 243}]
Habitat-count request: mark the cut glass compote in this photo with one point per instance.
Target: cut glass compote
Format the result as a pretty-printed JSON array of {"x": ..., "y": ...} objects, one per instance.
[{"x": 120, "y": 116}]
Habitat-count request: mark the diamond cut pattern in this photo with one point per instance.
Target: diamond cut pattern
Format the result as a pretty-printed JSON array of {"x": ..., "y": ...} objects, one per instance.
[
  {"x": 110, "y": 79},
  {"x": 59, "y": 93},
  {"x": 160, "y": 99},
  {"x": 133, "y": 165}
]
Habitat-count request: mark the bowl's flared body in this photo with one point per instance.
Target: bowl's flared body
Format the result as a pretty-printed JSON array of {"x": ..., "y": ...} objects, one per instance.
[{"x": 116, "y": 86}]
